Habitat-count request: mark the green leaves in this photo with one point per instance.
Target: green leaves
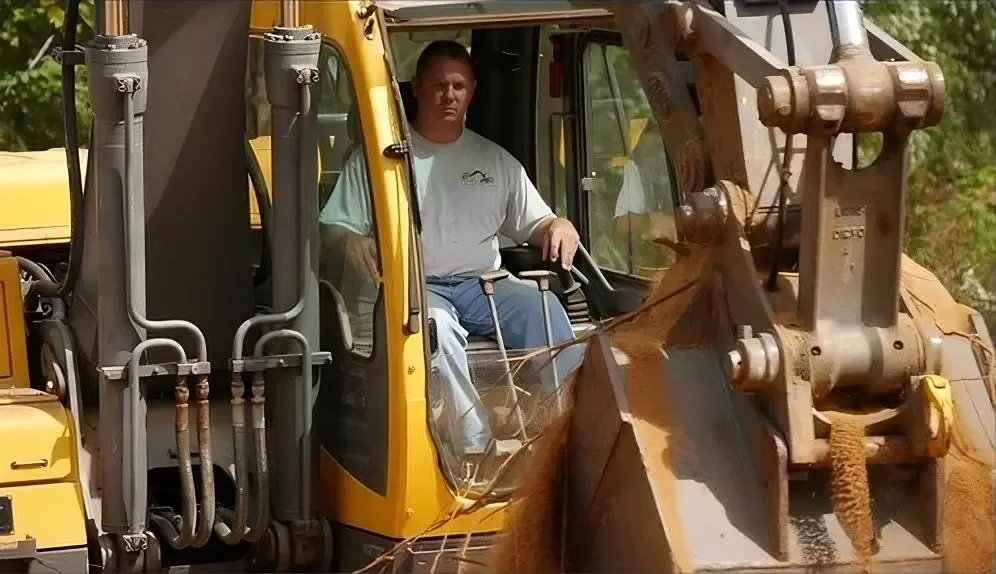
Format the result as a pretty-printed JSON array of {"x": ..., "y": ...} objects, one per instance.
[
  {"x": 951, "y": 214},
  {"x": 30, "y": 79}
]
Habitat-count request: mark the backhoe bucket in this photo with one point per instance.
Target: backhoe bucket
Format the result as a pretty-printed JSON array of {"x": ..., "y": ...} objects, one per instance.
[
  {"x": 669, "y": 469},
  {"x": 690, "y": 482}
]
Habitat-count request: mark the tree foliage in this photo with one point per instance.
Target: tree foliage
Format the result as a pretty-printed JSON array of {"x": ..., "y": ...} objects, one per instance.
[
  {"x": 951, "y": 213},
  {"x": 30, "y": 78}
]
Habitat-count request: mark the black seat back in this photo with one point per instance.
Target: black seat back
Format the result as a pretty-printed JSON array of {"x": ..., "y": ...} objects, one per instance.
[{"x": 408, "y": 100}]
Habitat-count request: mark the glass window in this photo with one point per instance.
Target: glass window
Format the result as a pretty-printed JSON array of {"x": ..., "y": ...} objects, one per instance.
[
  {"x": 631, "y": 193},
  {"x": 406, "y": 47},
  {"x": 344, "y": 192},
  {"x": 350, "y": 259},
  {"x": 551, "y": 124},
  {"x": 351, "y": 420},
  {"x": 352, "y": 416}
]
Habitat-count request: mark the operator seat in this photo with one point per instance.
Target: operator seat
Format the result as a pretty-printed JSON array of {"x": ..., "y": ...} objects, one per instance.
[{"x": 408, "y": 100}]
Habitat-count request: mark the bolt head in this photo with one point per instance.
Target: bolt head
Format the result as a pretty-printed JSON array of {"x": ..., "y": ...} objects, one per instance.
[
  {"x": 774, "y": 100},
  {"x": 734, "y": 365}
]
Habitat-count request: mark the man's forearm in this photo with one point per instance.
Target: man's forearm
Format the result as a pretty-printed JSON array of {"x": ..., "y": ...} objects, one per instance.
[{"x": 539, "y": 232}]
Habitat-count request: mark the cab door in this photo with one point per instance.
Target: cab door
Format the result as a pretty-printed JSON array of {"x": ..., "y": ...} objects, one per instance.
[
  {"x": 370, "y": 431},
  {"x": 616, "y": 181}
]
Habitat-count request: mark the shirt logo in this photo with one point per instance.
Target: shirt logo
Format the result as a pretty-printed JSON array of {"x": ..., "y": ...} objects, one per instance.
[{"x": 476, "y": 177}]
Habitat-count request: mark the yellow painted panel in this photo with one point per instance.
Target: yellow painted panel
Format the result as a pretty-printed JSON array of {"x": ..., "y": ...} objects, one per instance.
[
  {"x": 417, "y": 492},
  {"x": 38, "y": 442},
  {"x": 38, "y": 428},
  {"x": 264, "y": 14},
  {"x": 34, "y": 195},
  {"x": 51, "y": 513},
  {"x": 13, "y": 345}
]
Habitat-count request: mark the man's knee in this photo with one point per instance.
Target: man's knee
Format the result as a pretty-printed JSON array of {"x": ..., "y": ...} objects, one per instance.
[
  {"x": 450, "y": 334},
  {"x": 525, "y": 309}
]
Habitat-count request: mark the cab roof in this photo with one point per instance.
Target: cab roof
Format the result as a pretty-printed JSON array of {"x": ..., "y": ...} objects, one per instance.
[{"x": 434, "y": 13}]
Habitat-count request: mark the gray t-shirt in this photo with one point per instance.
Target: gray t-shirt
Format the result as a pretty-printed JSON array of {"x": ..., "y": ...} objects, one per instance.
[{"x": 470, "y": 191}]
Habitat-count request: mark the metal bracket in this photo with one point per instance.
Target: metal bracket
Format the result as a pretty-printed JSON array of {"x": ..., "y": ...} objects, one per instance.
[
  {"x": 306, "y": 75},
  {"x": 134, "y": 542},
  {"x": 69, "y": 58},
  {"x": 366, "y": 10},
  {"x": 127, "y": 83},
  {"x": 20, "y": 550},
  {"x": 271, "y": 362},
  {"x": 156, "y": 370},
  {"x": 6, "y": 516},
  {"x": 397, "y": 150}
]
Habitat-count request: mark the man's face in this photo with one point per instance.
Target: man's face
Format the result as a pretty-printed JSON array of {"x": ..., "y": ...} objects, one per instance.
[{"x": 444, "y": 91}]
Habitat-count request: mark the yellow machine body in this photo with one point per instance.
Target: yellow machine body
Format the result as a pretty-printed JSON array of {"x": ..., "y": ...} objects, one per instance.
[
  {"x": 13, "y": 347},
  {"x": 38, "y": 458},
  {"x": 417, "y": 493},
  {"x": 40, "y": 468}
]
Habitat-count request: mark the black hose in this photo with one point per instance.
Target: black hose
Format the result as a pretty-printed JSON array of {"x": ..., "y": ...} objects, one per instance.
[
  {"x": 35, "y": 270},
  {"x": 265, "y": 213},
  {"x": 69, "y": 61},
  {"x": 785, "y": 174}
]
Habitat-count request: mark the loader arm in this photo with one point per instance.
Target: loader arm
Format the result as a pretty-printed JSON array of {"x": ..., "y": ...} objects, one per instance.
[{"x": 722, "y": 453}]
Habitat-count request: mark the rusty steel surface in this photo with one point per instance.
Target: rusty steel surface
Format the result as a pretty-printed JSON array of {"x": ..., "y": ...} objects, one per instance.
[
  {"x": 652, "y": 52},
  {"x": 855, "y": 93},
  {"x": 113, "y": 17},
  {"x": 709, "y": 471}
]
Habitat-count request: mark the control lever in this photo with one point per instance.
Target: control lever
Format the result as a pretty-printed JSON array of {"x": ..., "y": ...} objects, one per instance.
[
  {"x": 571, "y": 279},
  {"x": 542, "y": 280},
  {"x": 487, "y": 281}
]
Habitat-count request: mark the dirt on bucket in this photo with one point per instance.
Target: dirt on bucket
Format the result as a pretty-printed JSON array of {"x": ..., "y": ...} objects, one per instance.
[
  {"x": 534, "y": 539},
  {"x": 969, "y": 519},
  {"x": 849, "y": 486}
]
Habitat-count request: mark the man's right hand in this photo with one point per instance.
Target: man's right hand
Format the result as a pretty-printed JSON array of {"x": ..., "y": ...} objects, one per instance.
[{"x": 361, "y": 254}]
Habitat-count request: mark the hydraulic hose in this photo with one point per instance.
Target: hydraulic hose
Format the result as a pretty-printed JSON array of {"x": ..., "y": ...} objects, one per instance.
[
  {"x": 306, "y": 396},
  {"x": 202, "y": 392},
  {"x": 237, "y": 531},
  {"x": 183, "y": 538},
  {"x": 138, "y": 506},
  {"x": 240, "y": 530},
  {"x": 784, "y": 173},
  {"x": 261, "y": 516},
  {"x": 233, "y": 535},
  {"x": 46, "y": 287},
  {"x": 135, "y": 233},
  {"x": 38, "y": 272}
]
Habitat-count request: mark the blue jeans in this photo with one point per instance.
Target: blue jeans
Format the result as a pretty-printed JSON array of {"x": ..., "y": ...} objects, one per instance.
[{"x": 460, "y": 310}]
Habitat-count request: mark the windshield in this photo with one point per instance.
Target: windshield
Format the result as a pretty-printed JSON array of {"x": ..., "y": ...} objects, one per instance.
[{"x": 487, "y": 400}]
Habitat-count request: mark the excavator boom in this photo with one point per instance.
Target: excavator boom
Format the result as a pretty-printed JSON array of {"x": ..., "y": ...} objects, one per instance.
[
  {"x": 809, "y": 368},
  {"x": 791, "y": 393}
]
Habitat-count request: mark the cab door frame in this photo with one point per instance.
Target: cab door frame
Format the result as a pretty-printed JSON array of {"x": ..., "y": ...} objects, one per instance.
[{"x": 581, "y": 181}]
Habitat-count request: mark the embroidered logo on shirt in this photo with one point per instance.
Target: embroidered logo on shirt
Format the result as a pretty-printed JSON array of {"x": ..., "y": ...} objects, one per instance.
[{"x": 476, "y": 177}]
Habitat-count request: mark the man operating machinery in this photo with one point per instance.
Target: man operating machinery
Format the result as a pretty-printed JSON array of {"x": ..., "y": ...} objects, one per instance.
[{"x": 470, "y": 191}]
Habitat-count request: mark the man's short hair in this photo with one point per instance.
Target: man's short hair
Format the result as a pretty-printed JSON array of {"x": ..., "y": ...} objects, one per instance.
[{"x": 449, "y": 49}]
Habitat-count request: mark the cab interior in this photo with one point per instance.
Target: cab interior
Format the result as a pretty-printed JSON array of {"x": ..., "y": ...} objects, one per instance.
[{"x": 560, "y": 96}]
